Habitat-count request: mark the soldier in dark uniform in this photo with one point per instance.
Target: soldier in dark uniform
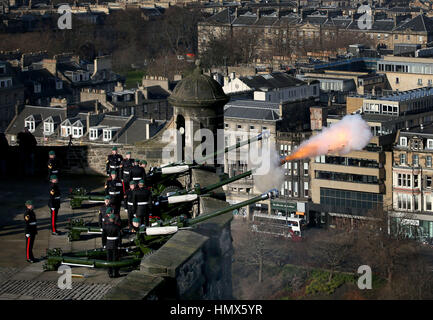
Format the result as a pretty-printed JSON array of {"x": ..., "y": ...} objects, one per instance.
[
  {"x": 30, "y": 230},
  {"x": 113, "y": 162},
  {"x": 142, "y": 200},
  {"x": 114, "y": 188},
  {"x": 129, "y": 205},
  {"x": 53, "y": 164},
  {"x": 103, "y": 209},
  {"x": 126, "y": 166},
  {"x": 138, "y": 173},
  {"x": 103, "y": 217},
  {"x": 54, "y": 203},
  {"x": 113, "y": 234}
]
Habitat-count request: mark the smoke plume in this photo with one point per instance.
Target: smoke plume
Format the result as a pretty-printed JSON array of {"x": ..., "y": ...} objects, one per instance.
[{"x": 350, "y": 133}]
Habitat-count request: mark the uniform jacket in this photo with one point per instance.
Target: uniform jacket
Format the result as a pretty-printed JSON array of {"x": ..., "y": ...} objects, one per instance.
[
  {"x": 54, "y": 200},
  {"x": 112, "y": 230},
  {"x": 53, "y": 166},
  {"x": 113, "y": 162},
  {"x": 142, "y": 199},
  {"x": 30, "y": 220},
  {"x": 127, "y": 165},
  {"x": 114, "y": 188}
]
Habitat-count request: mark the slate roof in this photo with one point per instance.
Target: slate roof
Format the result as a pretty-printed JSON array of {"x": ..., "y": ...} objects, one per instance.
[
  {"x": 420, "y": 23},
  {"x": 245, "y": 20},
  {"x": 273, "y": 81},
  {"x": 40, "y": 114},
  {"x": 137, "y": 131},
  {"x": 251, "y": 113}
]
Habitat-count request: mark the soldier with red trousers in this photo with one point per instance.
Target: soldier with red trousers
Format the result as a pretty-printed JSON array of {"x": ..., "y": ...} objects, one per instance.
[
  {"x": 30, "y": 230},
  {"x": 54, "y": 203}
]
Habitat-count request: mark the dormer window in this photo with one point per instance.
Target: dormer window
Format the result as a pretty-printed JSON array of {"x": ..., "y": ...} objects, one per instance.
[
  {"x": 109, "y": 133},
  {"x": 37, "y": 88},
  {"x": 77, "y": 129},
  {"x": 29, "y": 122},
  {"x": 48, "y": 126},
  {"x": 59, "y": 84},
  {"x": 403, "y": 141},
  {"x": 429, "y": 143},
  {"x": 93, "y": 134}
]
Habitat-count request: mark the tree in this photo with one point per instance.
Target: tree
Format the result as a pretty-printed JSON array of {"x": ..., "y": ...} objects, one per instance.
[{"x": 331, "y": 251}]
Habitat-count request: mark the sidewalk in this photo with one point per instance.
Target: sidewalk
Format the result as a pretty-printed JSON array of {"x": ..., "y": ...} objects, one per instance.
[{"x": 21, "y": 280}]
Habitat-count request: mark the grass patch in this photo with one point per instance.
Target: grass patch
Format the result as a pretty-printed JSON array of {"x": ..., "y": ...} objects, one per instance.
[{"x": 132, "y": 77}]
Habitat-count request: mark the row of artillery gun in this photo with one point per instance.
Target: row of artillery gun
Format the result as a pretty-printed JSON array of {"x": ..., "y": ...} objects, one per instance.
[{"x": 171, "y": 212}]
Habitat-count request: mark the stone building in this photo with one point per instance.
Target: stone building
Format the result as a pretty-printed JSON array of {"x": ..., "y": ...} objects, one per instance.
[
  {"x": 412, "y": 181},
  {"x": 280, "y": 33},
  {"x": 11, "y": 94}
]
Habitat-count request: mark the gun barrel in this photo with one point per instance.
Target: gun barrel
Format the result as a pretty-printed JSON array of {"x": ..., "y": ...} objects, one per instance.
[
  {"x": 264, "y": 135},
  {"x": 266, "y": 195},
  {"x": 224, "y": 182}
]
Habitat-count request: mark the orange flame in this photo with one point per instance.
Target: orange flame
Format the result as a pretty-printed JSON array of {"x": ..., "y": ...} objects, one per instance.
[{"x": 312, "y": 147}]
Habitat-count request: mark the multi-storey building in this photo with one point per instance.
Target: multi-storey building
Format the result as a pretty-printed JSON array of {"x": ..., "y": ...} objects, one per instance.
[
  {"x": 406, "y": 73},
  {"x": 412, "y": 181},
  {"x": 283, "y": 32},
  {"x": 345, "y": 187}
]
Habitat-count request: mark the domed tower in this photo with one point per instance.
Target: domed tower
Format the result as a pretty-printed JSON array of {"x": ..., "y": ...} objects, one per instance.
[{"x": 198, "y": 103}]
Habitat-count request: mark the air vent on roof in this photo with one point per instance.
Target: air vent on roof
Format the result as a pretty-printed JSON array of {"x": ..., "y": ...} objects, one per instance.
[{"x": 267, "y": 76}]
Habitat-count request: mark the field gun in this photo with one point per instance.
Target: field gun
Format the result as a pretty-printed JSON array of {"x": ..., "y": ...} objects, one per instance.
[{"x": 145, "y": 241}]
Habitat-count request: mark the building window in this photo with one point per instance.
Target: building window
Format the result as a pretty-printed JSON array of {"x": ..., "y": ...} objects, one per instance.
[
  {"x": 403, "y": 141},
  {"x": 306, "y": 189},
  {"x": 428, "y": 161},
  {"x": 65, "y": 131},
  {"x": 30, "y": 124},
  {"x": 428, "y": 182},
  {"x": 295, "y": 188},
  {"x": 415, "y": 181},
  {"x": 420, "y": 82},
  {"x": 48, "y": 128},
  {"x": 93, "y": 135},
  {"x": 428, "y": 206},
  {"x": 107, "y": 135},
  {"x": 77, "y": 132},
  {"x": 403, "y": 159},
  {"x": 396, "y": 80},
  {"x": 415, "y": 160},
  {"x": 403, "y": 180},
  {"x": 295, "y": 168},
  {"x": 305, "y": 168},
  {"x": 251, "y": 127},
  {"x": 239, "y": 126},
  {"x": 226, "y": 125},
  {"x": 37, "y": 87},
  {"x": 429, "y": 143}
]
